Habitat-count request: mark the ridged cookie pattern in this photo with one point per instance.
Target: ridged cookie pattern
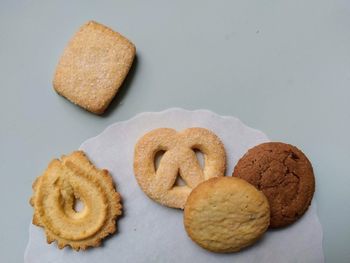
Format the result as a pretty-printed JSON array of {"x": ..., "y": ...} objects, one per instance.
[{"x": 55, "y": 192}]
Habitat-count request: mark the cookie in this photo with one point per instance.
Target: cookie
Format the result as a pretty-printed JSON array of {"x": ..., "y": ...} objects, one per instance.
[
  {"x": 179, "y": 159},
  {"x": 55, "y": 193},
  {"x": 284, "y": 174},
  {"x": 93, "y": 67},
  {"x": 226, "y": 214}
]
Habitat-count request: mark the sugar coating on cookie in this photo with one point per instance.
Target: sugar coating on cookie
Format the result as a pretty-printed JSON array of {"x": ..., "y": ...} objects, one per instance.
[
  {"x": 226, "y": 214},
  {"x": 179, "y": 159},
  {"x": 284, "y": 174},
  {"x": 55, "y": 193},
  {"x": 93, "y": 67}
]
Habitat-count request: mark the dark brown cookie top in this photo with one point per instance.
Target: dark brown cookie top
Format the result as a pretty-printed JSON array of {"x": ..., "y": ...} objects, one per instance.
[{"x": 284, "y": 174}]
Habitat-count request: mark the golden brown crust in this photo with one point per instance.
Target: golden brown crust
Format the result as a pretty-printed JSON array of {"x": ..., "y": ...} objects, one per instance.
[
  {"x": 226, "y": 214},
  {"x": 284, "y": 174},
  {"x": 55, "y": 192},
  {"x": 93, "y": 67},
  {"x": 179, "y": 157}
]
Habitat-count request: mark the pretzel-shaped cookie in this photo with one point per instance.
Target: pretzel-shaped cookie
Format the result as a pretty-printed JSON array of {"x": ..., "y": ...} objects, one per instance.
[{"x": 179, "y": 158}]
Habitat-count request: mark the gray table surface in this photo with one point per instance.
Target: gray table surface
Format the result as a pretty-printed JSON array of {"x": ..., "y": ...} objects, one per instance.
[{"x": 280, "y": 66}]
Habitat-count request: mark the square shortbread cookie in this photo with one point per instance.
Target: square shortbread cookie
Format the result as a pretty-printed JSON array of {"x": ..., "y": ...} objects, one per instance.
[{"x": 93, "y": 67}]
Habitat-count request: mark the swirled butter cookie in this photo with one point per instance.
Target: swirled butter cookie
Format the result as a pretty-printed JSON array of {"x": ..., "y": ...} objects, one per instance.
[
  {"x": 179, "y": 159},
  {"x": 55, "y": 193},
  {"x": 226, "y": 214},
  {"x": 284, "y": 174}
]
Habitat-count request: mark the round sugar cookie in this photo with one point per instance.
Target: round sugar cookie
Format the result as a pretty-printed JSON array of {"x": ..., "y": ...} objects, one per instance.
[
  {"x": 226, "y": 214},
  {"x": 284, "y": 174}
]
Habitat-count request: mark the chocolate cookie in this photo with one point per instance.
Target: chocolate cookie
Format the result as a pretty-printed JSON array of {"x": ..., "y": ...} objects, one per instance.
[{"x": 284, "y": 174}]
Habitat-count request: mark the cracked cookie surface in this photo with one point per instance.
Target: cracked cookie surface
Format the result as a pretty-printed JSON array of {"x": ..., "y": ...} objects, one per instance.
[
  {"x": 226, "y": 214},
  {"x": 284, "y": 174}
]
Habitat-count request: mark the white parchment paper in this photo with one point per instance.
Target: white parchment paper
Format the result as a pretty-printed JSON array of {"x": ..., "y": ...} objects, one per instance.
[{"x": 149, "y": 232}]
